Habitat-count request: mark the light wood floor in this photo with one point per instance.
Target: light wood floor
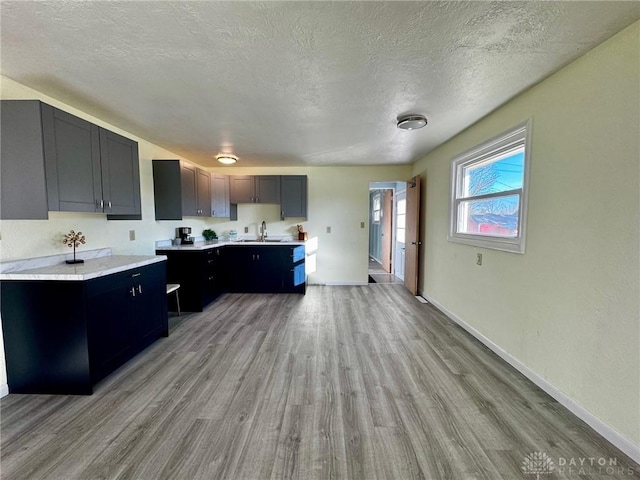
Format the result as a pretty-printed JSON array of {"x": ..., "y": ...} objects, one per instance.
[
  {"x": 345, "y": 383},
  {"x": 379, "y": 275}
]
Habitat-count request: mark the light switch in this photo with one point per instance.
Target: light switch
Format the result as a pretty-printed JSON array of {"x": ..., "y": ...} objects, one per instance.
[
  {"x": 478, "y": 259},
  {"x": 328, "y": 229},
  {"x": 132, "y": 235},
  {"x": 361, "y": 224},
  {"x": 246, "y": 229}
]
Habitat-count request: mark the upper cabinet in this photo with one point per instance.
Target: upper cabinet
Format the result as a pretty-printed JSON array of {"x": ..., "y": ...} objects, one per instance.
[
  {"x": 220, "y": 207},
  {"x": 184, "y": 190},
  {"x": 85, "y": 168},
  {"x": 196, "y": 191},
  {"x": 254, "y": 189},
  {"x": 293, "y": 196},
  {"x": 290, "y": 191}
]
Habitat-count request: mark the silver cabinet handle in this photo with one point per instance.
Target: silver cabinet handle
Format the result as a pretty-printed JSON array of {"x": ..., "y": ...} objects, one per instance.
[
  {"x": 135, "y": 275},
  {"x": 258, "y": 257},
  {"x": 109, "y": 204},
  {"x": 139, "y": 288},
  {"x": 133, "y": 291}
]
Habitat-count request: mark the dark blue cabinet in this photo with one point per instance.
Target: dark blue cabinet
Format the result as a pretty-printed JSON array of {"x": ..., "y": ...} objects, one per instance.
[{"x": 64, "y": 336}]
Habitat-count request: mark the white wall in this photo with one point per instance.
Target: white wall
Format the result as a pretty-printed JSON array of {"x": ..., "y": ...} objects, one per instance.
[
  {"x": 568, "y": 309},
  {"x": 338, "y": 197}
]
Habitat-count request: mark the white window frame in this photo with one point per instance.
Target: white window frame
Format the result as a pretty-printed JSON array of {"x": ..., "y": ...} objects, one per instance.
[{"x": 517, "y": 136}]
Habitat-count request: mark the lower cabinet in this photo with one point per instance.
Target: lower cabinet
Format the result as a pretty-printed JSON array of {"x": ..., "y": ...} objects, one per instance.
[
  {"x": 200, "y": 273},
  {"x": 63, "y": 336},
  {"x": 203, "y": 275},
  {"x": 267, "y": 269}
]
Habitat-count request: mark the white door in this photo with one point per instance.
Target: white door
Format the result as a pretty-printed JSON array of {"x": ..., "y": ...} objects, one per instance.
[{"x": 401, "y": 213}]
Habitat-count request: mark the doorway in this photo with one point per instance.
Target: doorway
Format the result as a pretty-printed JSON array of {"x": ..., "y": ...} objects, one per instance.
[{"x": 386, "y": 255}]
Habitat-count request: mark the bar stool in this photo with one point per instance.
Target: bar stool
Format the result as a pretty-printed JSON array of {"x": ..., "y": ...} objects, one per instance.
[{"x": 173, "y": 287}]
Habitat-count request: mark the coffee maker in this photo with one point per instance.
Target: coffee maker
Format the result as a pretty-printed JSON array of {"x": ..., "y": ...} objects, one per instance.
[{"x": 184, "y": 234}]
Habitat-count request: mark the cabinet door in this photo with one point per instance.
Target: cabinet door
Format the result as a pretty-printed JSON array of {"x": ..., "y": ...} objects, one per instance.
[
  {"x": 189, "y": 181},
  {"x": 267, "y": 189},
  {"x": 23, "y": 186},
  {"x": 220, "y": 196},
  {"x": 72, "y": 161},
  {"x": 120, "y": 174},
  {"x": 150, "y": 303},
  {"x": 110, "y": 323},
  {"x": 167, "y": 189},
  {"x": 293, "y": 196},
  {"x": 241, "y": 189},
  {"x": 268, "y": 269},
  {"x": 203, "y": 193}
]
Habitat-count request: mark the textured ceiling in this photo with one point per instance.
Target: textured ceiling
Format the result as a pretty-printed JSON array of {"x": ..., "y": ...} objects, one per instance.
[{"x": 296, "y": 83}]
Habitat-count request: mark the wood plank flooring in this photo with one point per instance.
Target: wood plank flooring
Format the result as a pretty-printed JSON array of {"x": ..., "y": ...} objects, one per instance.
[{"x": 344, "y": 383}]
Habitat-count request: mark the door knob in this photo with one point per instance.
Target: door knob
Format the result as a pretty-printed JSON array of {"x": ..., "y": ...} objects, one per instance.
[{"x": 416, "y": 243}]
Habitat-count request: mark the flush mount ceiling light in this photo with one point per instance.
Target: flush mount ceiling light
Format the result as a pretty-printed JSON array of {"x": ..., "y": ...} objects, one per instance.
[
  {"x": 412, "y": 122},
  {"x": 227, "y": 159}
]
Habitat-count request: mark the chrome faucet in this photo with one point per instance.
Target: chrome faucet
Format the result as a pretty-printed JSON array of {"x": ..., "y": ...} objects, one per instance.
[{"x": 263, "y": 231}]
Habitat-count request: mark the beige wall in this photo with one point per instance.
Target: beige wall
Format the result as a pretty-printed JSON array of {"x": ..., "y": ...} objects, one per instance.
[{"x": 568, "y": 308}]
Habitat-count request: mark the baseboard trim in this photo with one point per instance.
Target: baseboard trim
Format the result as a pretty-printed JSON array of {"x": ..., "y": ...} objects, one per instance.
[
  {"x": 612, "y": 436},
  {"x": 4, "y": 390}
]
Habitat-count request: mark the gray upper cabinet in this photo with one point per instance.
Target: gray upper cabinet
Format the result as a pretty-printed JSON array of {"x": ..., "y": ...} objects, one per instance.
[
  {"x": 293, "y": 196},
  {"x": 23, "y": 186},
  {"x": 220, "y": 207},
  {"x": 180, "y": 190},
  {"x": 254, "y": 189},
  {"x": 120, "y": 174},
  {"x": 267, "y": 188},
  {"x": 242, "y": 189},
  {"x": 72, "y": 159},
  {"x": 203, "y": 193},
  {"x": 189, "y": 182},
  {"x": 86, "y": 168}
]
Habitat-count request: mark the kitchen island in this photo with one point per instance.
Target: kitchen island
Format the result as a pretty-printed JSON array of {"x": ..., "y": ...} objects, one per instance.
[{"x": 68, "y": 326}]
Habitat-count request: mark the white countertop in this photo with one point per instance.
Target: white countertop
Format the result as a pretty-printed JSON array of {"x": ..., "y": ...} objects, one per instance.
[
  {"x": 206, "y": 245},
  {"x": 91, "y": 268}
]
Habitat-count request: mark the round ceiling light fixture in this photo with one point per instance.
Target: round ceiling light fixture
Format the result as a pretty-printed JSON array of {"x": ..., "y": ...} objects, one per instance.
[
  {"x": 227, "y": 159},
  {"x": 411, "y": 122}
]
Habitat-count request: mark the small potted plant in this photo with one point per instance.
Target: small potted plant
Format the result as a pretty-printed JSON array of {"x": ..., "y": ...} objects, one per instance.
[{"x": 209, "y": 235}]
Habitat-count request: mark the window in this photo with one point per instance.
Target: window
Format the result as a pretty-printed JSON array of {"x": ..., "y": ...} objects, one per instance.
[
  {"x": 489, "y": 192},
  {"x": 401, "y": 220},
  {"x": 376, "y": 208}
]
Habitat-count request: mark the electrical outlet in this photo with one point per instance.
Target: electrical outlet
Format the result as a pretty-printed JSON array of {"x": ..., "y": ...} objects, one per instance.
[
  {"x": 361, "y": 224},
  {"x": 246, "y": 229},
  {"x": 478, "y": 259},
  {"x": 132, "y": 235},
  {"x": 328, "y": 229}
]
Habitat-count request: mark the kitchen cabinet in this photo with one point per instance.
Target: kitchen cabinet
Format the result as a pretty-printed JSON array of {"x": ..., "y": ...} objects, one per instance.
[
  {"x": 266, "y": 269},
  {"x": 64, "y": 336},
  {"x": 220, "y": 205},
  {"x": 254, "y": 189},
  {"x": 180, "y": 190},
  {"x": 200, "y": 273},
  {"x": 293, "y": 196},
  {"x": 196, "y": 191},
  {"x": 85, "y": 168}
]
